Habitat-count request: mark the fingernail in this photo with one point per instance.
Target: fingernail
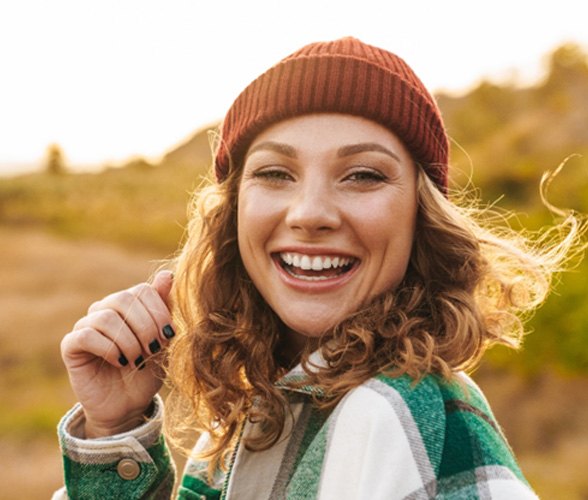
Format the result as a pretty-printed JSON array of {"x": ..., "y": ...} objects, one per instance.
[
  {"x": 154, "y": 347},
  {"x": 168, "y": 272},
  {"x": 168, "y": 332},
  {"x": 122, "y": 360},
  {"x": 138, "y": 361}
]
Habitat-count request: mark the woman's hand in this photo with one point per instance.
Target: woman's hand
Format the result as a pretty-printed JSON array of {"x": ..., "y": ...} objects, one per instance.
[{"x": 112, "y": 355}]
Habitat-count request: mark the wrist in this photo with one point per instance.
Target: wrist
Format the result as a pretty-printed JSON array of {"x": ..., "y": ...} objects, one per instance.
[{"x": 93, "y": 429}]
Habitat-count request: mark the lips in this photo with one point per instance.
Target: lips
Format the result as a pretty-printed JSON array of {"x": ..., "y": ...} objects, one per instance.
[{"x": 315, "y": 267}]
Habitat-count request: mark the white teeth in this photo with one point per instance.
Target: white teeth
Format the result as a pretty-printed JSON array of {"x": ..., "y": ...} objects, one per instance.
[
  {"x": 305, "y": 263},
  {"x": 310, "y": 278},
  {"x": 316, "y": 262}
]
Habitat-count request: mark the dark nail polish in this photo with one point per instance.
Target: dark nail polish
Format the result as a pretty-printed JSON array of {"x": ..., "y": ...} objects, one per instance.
[
  {"x": 168, "y": 332},
  {"x": 154, "y": 347},
  {"x": 122, "y": 360},
  {"x": 139, "y": 361}
]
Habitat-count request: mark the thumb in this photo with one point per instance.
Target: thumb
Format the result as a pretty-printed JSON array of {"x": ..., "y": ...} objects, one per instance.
[{"x": 163, "y": 282}]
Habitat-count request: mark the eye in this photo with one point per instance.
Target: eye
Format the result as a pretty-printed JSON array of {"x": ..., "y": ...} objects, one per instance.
[
  {"x": 272, "y": 174},
  {"x": 366, "y": 175}
]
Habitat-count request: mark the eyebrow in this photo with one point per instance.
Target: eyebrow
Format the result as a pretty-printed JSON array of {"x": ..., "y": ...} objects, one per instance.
[
  {"x": 363, "y": 147},
  {"x": 349, "y": 150},
  {"x": 276, "y": 147}
]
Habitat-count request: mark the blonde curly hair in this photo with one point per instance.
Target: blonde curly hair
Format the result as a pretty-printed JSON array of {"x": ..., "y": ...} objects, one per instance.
[{"x": 470, "y": 284}]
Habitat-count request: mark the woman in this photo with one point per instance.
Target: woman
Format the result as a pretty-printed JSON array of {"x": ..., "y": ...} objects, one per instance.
[{"x": 326, "y": 302}]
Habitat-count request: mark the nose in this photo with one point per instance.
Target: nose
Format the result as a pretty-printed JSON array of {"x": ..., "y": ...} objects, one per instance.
[{"x": 313, "y": 208}]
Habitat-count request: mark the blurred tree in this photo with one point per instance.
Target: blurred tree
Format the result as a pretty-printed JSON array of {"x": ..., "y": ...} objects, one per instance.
[
  {"x": 568, "y": 62},
  {"x": 566, "y": 85},
  {"x": 55, "y": 163}
]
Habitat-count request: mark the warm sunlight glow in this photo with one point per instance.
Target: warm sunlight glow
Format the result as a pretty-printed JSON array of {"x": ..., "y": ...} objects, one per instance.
[{"x": 109, "y": 80}]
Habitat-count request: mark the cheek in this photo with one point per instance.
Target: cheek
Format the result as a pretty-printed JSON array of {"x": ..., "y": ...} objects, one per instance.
[
  {"x": 387, "y": 232},
  {"x": 245, "y": 233},
  {"x": 383, "y": 221},
  {"x": 257, "y": 208},
  {"x": 254, "y": 227}
]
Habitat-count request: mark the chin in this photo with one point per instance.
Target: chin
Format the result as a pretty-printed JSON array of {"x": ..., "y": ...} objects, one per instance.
[
  {"x": 313, "y": 323},
  {"x": 309, "y": 328}
]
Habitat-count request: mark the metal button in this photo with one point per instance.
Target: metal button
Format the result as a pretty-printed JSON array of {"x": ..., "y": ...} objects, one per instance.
[{"x": 128, "y": 469}]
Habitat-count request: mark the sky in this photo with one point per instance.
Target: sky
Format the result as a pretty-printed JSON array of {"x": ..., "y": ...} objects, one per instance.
[{"x": 110, "y": 80}]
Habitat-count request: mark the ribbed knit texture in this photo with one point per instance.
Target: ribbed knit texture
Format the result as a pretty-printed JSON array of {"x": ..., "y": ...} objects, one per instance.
[{"x": 342, "y": 76}]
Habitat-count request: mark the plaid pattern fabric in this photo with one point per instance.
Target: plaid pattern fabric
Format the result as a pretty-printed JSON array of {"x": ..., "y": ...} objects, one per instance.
[
  {"x": 387, "y": 439},
  {"x": 91, "y": 465}
]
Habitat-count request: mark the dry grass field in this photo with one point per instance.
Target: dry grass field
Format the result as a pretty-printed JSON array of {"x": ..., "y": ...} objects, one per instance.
[{"x": 48, "y": 282}]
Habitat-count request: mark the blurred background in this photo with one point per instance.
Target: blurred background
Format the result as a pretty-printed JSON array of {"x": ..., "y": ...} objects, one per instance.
[{"x": 104, "y": 113}]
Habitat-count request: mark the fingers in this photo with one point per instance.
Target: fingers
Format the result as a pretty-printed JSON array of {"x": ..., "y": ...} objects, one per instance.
[
  {"x": 136, "y": 321},
  {"x": 162, "y": 282},
  {"x": 123, "y": 344},
  {"x": 83, "y": 341}
]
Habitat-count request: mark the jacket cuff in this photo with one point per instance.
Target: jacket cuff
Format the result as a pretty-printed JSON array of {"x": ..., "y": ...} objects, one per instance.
[{"x": 133, "y": 464}]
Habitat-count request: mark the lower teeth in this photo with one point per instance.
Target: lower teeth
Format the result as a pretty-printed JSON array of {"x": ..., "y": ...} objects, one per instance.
[
  {"x": 310, "y": 278},
  {"x": 307, "y": 277}
]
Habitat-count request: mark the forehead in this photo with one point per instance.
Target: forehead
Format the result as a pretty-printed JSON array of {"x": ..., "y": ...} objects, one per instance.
[{"x": 328, "y": 130}]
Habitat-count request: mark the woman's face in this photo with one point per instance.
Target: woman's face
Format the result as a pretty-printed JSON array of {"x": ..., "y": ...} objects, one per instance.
[{"x": 326, "y": 217}]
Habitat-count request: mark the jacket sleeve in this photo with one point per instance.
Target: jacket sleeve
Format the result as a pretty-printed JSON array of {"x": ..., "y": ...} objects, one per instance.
[{"x": 131, "y": 465}]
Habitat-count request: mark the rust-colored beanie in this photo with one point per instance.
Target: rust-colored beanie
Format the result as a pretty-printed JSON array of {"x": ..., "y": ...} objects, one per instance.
[{"x": 341, "y": 76}]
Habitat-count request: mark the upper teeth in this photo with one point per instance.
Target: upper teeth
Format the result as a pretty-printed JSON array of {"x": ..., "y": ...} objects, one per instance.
[{"x": 314, "y": 262}]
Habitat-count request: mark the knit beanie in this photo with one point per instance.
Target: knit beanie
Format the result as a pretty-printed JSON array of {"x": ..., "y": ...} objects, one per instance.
[{"x": 341, "y": 76}]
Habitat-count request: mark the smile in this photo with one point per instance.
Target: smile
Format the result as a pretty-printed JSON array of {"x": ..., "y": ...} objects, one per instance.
[{"x": 315, "y": 267}]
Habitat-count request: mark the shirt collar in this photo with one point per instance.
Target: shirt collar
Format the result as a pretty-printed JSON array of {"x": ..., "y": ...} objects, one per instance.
[{"x": 293, "y": 380}]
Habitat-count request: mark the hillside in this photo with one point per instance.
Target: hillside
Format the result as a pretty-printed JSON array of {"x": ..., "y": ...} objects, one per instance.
[
  {"x": 139, "y": 205},
  {"x": 196, "y": 150},
  {"x": 506, "y": 137}
]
